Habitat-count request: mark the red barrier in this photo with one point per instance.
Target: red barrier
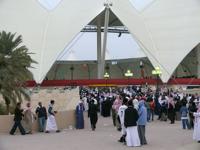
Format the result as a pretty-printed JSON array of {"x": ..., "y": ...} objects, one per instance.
[{"x": 178, "y": 81}]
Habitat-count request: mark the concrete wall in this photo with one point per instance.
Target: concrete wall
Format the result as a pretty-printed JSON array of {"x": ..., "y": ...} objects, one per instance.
[
  {"x": 64, "y": 119},
  {"x": 64, "y": 99},
  {"x": 65, "y": 104}
]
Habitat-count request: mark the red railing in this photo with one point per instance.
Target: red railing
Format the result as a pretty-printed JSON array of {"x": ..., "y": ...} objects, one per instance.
[{"x": 104, "y": 82}]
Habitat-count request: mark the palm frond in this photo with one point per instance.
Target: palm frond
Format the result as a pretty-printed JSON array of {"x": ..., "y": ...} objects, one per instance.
[{"x": 15, "y": 61}]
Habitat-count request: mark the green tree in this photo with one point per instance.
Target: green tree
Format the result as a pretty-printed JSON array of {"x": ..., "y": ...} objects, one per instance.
[{"x": 15, "y": 62}]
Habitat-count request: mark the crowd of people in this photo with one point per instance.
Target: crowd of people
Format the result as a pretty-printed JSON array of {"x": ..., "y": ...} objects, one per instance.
[
  {"x": 131, "y": 109},
  {"x": 129, "y": 120},
  {"x": 166, "y": 103}
]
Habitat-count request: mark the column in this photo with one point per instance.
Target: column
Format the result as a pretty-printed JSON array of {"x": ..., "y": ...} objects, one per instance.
[
  {"x": 103, "y": 52},
  {"x": 99, "y": 73}
]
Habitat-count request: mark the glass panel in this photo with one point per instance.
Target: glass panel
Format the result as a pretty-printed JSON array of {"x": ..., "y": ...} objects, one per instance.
[
  {"x": 49, "y": 4},
  {"x": 141, "y": 4}
]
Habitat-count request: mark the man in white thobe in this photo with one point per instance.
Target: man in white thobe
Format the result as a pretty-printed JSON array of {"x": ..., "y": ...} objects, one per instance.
[
  {"x": 121, "y": 113},
  {"x": 51, "y": 121},
  {"x": 196, "y": 133}
]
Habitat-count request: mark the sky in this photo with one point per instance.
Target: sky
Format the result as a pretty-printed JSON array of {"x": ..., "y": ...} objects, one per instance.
[{"x": 117, "y": 47}]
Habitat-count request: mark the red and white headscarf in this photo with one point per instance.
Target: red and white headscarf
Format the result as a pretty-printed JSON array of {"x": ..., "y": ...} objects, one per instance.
[
  {"x": 117, "y": 103},
  {"x": 171, "y": 101}
]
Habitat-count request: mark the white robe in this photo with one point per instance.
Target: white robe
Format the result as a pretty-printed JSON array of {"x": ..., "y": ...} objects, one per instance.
[
  {"x": 85, "y": 103},
  {"x": 196, "y": 133},
  {"x": 135, "y": 104},
  {"x": 121, "y": 113},
  {"x": 132, "y": 137},
  {"x": 51, "y": 123}
]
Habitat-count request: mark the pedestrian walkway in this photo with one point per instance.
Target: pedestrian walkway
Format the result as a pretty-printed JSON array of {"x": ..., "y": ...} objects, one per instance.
[{"x": 160, "y": 136}]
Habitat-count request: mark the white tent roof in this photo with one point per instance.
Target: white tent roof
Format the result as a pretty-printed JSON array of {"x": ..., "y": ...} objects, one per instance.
[{"x": 166, "y": 30}]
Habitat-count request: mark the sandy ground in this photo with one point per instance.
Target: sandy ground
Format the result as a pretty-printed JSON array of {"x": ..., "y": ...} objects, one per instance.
[{"x": 160, "y": 136}]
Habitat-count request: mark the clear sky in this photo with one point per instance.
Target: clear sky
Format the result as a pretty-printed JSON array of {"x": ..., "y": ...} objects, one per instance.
[{"x": 117, "y": 47}]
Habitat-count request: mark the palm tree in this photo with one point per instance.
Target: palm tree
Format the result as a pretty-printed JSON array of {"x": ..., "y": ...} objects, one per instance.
[{"x": 14, "y": 63}]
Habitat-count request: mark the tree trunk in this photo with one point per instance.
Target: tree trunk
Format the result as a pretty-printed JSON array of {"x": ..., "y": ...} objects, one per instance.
[
  {"x": 7, "y": 101},
  {"x": 7, "y": 109}
]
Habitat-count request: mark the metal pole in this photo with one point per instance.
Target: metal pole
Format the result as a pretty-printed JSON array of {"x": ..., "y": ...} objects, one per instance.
[
  {"x": 103, "y": 52},
  {"x": 99, "y": 73}
]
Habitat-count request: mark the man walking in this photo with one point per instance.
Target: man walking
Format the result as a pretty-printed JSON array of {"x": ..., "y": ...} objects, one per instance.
[
  {"x": 29, "y": 118},
  {"x": 130, "y": 122},
  {"x": 80, "y": 115},
  {"x": 51, "y": 120},
  {"x": 142, "y": 121},
  {"x": 17, "y": 119},
  {"x": 121, "y": 113},
  {"x": 92, "y": 114},
  {"x": 42, "y": 116}
]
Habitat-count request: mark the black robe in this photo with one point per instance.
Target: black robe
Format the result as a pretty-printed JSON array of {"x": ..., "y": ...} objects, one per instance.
[
  {"x": 130, "y": 117},
  {"x": 171, "y": 113},
  {"x": 92, "y": 114},
  {"x": 106, "y": 108}
]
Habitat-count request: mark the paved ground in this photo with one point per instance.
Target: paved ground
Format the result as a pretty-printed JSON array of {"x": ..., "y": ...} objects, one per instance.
[{"x": 160, "y": 136}]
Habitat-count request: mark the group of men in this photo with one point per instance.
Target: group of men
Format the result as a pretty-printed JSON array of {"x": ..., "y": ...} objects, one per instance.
[
  {"x": 46, "y": 119},
  {"x": 132, "y": 120},
  {"x": 167, "y": 104}
]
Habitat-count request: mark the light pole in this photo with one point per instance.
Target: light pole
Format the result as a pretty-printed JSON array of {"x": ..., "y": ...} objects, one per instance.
[
  {"x": 157, "y": 72},
  {"x": 106, "y": 76},
  {"x": 128, "y": 74}
]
